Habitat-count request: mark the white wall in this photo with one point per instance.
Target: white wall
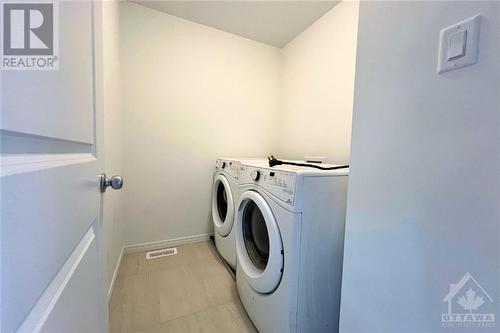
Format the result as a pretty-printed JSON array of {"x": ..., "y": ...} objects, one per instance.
[
  {"x": 190, "y": 94},
  {"x": 318, "y": 86},
  {"x": 424, "y": 188},
  {"x": 112, "y": 223}
]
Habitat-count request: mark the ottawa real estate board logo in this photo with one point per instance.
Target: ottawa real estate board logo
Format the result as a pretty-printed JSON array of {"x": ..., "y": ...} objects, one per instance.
[
  {"x": 29, "y": 34},
  {"x": 468, "y": 305}
]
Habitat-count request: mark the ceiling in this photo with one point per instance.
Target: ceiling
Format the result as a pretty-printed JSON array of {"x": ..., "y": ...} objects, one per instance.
[{"x": 271, "y": 22}]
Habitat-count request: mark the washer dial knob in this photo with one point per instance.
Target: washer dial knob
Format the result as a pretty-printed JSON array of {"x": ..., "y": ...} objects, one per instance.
[
  {"x": 223, "y": 165},
  {"x": 255, "y": 175}
]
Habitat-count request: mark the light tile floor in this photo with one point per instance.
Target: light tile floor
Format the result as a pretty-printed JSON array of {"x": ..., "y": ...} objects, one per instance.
[{"x": 187, "y": 292}]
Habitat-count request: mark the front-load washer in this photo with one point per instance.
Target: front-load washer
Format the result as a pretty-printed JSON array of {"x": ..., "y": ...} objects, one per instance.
[
  {"x": 224, "y": 198},
  {"x": 289, "y": 240}
]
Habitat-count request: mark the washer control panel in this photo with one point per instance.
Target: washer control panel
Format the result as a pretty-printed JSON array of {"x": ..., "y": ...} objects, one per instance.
[
  {"x": 230, "y": 168},
  {"x": 279, "y": 183}
]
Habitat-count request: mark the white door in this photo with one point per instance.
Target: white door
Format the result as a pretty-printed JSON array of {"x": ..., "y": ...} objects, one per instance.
[
  {"x": 51, "y": 156},
  {"x": 222, "y": 206},
  {"x": 258, "y": 243}
]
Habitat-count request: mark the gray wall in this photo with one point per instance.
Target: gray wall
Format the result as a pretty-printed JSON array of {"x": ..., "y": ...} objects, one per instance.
[{"x": 424, "y": 189}]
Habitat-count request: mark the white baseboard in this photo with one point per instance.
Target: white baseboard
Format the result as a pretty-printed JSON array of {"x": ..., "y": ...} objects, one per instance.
[
  {"x": 115, "y": 274},
  {"x": 150, "y": 246}
]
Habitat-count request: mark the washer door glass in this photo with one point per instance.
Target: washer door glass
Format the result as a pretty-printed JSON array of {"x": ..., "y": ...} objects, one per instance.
[
  {"x": 255, "y": 235},
  {"x": 221, "y": 201}
]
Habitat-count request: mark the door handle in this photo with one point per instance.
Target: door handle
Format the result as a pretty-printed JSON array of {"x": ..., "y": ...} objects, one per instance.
[{"x": 116, "y": 182}]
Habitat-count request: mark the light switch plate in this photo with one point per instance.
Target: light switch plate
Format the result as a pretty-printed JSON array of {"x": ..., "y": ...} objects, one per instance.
[
  {"x": 453, "y": 54},
  {"x": 457, "y": 45}
]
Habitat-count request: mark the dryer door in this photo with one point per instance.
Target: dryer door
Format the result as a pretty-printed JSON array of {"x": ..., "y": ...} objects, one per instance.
[
  {"x": 258, "y": 243},
  {"x": 222, "y": 206}
]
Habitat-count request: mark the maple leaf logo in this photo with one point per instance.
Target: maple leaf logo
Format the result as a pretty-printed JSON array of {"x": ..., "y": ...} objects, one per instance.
[{"x": 470, "y": 301}]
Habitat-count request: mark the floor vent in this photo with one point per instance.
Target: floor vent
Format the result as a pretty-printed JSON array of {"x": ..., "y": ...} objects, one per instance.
[{"x": 161, "y": 253}]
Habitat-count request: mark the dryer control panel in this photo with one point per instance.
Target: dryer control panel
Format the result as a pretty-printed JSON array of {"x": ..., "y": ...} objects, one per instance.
[
  {"x": 279, "y": 183},
  {"x": 228, "y": 167}
]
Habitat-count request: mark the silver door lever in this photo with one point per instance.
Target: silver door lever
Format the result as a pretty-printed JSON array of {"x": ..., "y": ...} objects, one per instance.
[{"x": 116, "y": 182}]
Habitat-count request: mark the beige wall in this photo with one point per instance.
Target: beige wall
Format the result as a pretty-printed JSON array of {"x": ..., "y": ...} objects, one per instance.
[
  {"x": 318, "y": 85},
  {"x": 112, "y": 223},
  {"x": 191, "y": 93}
]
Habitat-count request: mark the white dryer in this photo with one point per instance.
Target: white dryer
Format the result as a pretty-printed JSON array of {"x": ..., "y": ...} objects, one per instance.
[
  {"x": 289, "y": 240},
  {"x": 224, "y": 198}
]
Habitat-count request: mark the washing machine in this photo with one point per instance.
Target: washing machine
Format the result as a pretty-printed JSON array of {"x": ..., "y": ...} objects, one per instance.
[
  {"x": 224, "y": 198},
  {"x": 289, "y": 241}
]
